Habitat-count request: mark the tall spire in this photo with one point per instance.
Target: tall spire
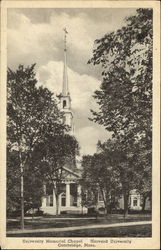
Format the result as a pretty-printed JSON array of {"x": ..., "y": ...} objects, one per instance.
[
  {"x": 65, "y": 90},
  {"x": 65, "y": 99}
]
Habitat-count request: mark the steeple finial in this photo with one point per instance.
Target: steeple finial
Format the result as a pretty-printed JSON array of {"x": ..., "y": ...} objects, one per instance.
[{"x": 65, "y": 90}]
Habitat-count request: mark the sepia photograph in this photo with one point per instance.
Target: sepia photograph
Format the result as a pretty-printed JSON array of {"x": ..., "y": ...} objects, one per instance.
[{"x": 79, "y": 125}]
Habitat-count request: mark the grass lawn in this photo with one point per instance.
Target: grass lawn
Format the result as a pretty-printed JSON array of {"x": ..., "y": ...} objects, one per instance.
[
  {"x": 51, "y": 222},
  {"x": 60, "y": 222}
]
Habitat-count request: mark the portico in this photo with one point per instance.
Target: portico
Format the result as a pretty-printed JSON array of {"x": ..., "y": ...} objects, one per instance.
[{"x": 69, "y": 196}]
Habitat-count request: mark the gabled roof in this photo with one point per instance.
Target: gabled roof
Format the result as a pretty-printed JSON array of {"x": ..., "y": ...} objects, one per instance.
[{"x": 72, "y": 172}]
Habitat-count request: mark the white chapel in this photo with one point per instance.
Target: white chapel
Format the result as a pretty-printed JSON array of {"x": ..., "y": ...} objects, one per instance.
[{"x": 70, "y": 197}]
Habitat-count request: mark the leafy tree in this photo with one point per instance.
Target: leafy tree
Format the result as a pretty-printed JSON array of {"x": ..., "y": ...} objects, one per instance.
[
  {"x": 33, "y": 183},
  {"x": 142, "y": 162},
  {"x": 125, "y": 95},
  {"x": 116, "y": 172},
  {"x": 50, "y": 158},
  {"x": 13, "y": 181},
  {"x": 32, "y": 115},
  {"x": 122, "y": 176},
  {"x": 101, "y": 177},
  {"x": 33, "y": 187},
  {"x": 88, "y": 183}
]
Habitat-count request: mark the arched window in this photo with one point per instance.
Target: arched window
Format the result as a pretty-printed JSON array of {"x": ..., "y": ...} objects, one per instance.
[{"x": 64, "y": 103}]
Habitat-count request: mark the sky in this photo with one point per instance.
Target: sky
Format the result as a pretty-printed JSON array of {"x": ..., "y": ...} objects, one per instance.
[{"x": 36, "y": 36}]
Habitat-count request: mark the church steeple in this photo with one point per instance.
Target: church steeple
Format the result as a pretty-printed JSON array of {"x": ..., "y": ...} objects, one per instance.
[
  {"x": 65, "y": 90},
  {"x": 65, "y": 100}
]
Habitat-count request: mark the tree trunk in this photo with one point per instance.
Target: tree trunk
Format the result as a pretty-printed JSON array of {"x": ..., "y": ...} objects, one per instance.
[
  {"x": 105, "y": 212},
  {"x": 96, "y": 210},
  {"x": 57, "y": 204},
  {"x": 106, "y": 209},
  {"x": 97, "y": 205},
  {"x": 22, "y": 195},
  {"x": 150, "y": 203},
  {"x": 22, "y": 164},
  {"x": 126, "y": 197},
  {"x": 144, "y": 202},
  {"x": 105, "y": 202},
  {"x": 82, "y": 208}
]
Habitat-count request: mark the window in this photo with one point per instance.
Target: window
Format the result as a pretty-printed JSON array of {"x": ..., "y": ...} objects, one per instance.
[
  {"x": 64, "y": 103},
  {"x": 135, "y": 202}
]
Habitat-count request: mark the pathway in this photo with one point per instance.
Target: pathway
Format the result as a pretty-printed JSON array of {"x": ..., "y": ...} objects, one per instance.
[
  {"x": 79, "y": 227},
  {"x": 58, "y": 218}
]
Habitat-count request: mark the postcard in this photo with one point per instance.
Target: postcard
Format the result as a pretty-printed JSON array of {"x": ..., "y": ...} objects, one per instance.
[{"x": 80, "y": 124}]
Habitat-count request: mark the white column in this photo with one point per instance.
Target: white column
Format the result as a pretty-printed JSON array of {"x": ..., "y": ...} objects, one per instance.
[
  {"x": 54, "y": 198},
  {"x": 67, "y": 195},
  {"x": 44, "y": 189},
  {"x": 79, "y": 198},
  {"x": 43, "y": 201},
  {"x": 47, "y": 200}
]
